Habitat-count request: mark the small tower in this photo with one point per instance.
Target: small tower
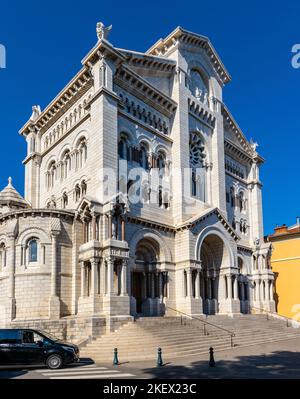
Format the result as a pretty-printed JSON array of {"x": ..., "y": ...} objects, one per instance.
[{"x": 10, "y": 199}]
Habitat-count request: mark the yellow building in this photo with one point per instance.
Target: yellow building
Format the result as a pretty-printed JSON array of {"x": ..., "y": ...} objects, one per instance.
[{"x": 285, "y": 264}]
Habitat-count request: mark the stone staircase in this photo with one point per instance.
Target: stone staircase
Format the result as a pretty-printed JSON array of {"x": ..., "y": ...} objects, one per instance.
[{"x": 183, "y": 337}]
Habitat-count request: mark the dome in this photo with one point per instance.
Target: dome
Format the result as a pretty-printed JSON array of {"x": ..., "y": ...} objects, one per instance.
[{"x": 10, "y": 197}]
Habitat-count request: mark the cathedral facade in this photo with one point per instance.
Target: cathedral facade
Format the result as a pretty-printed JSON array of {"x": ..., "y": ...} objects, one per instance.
[{"x": 142, "y": 197}]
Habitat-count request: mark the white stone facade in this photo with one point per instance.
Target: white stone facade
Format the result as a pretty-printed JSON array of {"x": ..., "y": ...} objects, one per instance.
[{"x": 81, "y": 248}]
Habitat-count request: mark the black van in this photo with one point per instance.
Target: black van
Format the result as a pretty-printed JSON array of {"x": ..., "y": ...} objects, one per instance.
[{"x": 34, "y": 347}]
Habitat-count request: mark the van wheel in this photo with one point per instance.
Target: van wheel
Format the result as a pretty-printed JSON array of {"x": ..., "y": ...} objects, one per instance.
[{"x": 54, "y": 362}]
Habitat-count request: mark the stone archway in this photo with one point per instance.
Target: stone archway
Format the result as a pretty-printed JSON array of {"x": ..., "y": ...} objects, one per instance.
[
  {"x": 148, "y": 282},
  {"x": 214, "y": 256}
]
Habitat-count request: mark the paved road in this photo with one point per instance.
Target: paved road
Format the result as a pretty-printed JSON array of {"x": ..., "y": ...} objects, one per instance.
[{"x": 273, "y": 360}]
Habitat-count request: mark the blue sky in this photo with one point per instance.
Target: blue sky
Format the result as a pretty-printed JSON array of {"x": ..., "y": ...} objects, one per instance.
[{"x": 45, "y": 43}]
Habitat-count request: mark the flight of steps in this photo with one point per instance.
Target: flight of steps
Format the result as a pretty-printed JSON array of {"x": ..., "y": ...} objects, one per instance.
[{"x": 178, "y": 337}]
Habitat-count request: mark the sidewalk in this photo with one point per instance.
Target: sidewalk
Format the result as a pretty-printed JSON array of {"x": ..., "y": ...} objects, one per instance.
[{"x": 273, "y": 360}]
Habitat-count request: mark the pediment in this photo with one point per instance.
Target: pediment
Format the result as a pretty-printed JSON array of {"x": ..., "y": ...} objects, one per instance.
[{"x": 209, "y": 216}]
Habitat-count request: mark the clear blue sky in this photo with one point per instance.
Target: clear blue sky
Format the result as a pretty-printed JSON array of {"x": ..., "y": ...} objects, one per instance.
[{"x": 46, "y": 41}]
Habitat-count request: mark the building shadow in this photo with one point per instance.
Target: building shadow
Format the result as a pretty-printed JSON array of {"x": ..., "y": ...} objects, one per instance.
[
  {"x": 276, "y": 365},
  {"x": 10, "y": 373}
]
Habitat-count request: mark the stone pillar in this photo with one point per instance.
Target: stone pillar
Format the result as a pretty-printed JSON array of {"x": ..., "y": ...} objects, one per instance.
[
  {"x": 94, "y": 226},
  {"x": 160, "y": 285},
  {"x": 236, "y": 293},
  {"x": 110, "y": 276},
  {"x": 124, "y": 278},
  {"x": 94, "y": 279},
  {"x": 123, "y": 229},
  {"x": 271, "y": 296},
  {"x": 189, "y": 283},
  {"x": 109, "y": 217},
  {"x": 82, "y": 294},
  {"x": 229, "y": 285},
  {"x": 258, "y": 290},
  {"x": 197, "y": 283},
  {"x": 54, "y": 307}
]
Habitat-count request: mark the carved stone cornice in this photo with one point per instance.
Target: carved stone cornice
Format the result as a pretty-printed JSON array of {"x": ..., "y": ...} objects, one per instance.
[
  {"x": 79, "y": 85},
  {"x": 139, "y": 87},
  {"x": 155, "y": 63},
  {"x": 202, "y": 112}
]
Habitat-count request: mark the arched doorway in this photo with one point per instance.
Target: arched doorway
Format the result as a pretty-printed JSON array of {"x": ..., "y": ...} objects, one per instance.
[
  {"x": 213, "y": 255},
  {"x": 149, "y": 283}
]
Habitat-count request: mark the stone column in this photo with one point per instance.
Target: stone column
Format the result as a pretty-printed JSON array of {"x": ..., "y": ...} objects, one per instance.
[
  {"x": 189, "y": 282},
  {"x": 229, "y": 285},
  {"x": 82, "y": 294},
  {"x": 102, "y": 276},
  {"x": 124, "y": 278},
  {"x": 160, "y": 285},
  {"x": 271, "y": 297},
  {"x": 94, "y": 279},
  {"x": 54, "y": 308},
  {"x": 258, "y": 290},
  {"x": 109, "y": 217},
  {"x": 123, "y": 229},
  {"x": 197, "y": 283},
  {"x": 110, "y": 276},
  {"x": 94, "y": 226},
  {"x": 236, "y": 294}
]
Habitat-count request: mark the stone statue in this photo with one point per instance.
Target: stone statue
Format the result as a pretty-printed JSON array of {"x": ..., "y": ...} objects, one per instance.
[
  {"x": 253, "y": 145},
  {"x": 36, "y": 112},
  {"x": 102, "y": 31}
]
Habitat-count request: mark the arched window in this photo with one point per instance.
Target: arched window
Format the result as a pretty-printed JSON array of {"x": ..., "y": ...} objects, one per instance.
[
  {"x": 241, "y": 201},
  {"x": 66, "y": 164},
  {"x": 197, "y": 165},
  {"x": 198, "y": 86},
  {"x": 65, "y": 200},
  {"x": 232, "y": 197},
  {"x": 143, "y": 159},
  {"x": 160, "y": 197},
  {"x": 2, "y": 255},
  {"x": 83, "y": 187},
  {"x": 123, "y": 149},
  {"x": 161, "y": 161},
  {"x": 77, "y": 193},
  {"x": 51, "y": 175},
  {"x": 194, "y": 184},
  {"x": 33, "y": 250},
  {"x": 81, "y": 154}
]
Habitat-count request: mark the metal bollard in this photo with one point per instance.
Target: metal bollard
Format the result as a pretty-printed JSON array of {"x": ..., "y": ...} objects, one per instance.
[
  {"x": 212, "y": 362},
  {"x": 116, "y": 360},
  {"x": 160, "y": 362}
]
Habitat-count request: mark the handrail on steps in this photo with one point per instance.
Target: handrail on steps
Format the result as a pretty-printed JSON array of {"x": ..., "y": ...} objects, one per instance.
[
  {"x": 232, "y": 334},
  {"x": 269, "y": 312}
]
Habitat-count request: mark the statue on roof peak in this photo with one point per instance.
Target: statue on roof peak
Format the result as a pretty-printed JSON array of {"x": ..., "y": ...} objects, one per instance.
[{"x": 102, "y": 31}]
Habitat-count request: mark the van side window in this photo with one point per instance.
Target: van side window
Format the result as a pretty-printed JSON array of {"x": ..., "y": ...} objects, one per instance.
[
  {"x": 28, "y": 337},
  {"x": 10, "y": 337}
]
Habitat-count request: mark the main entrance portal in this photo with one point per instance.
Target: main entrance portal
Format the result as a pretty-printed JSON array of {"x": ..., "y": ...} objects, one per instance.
[{"x": 149, "y": 282}]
